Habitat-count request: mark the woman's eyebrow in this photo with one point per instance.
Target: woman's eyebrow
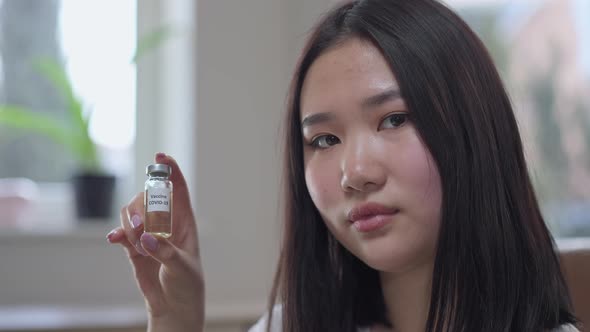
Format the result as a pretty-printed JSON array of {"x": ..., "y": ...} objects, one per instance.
[
  {"x": 316, "y": 118},
  {"x": 368, "y": 103},
  {"x": 381, "y": 98}
]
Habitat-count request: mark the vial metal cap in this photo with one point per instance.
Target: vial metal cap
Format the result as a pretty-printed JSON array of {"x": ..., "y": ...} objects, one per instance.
[{"x": 158, "y": 168}]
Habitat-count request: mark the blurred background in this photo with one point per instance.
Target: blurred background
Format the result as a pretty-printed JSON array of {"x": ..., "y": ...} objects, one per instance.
[{"x": 94, "y": 88}]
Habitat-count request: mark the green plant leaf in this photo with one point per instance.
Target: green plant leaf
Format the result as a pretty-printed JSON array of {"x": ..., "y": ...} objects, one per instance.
[
  {"x": 151, "y": 41},
  {"x": 75, "y": 134},
  {"x": 57, "y": 75},
  {"x": 20, "y": 118},
  {"x": 82, "y": 144}
]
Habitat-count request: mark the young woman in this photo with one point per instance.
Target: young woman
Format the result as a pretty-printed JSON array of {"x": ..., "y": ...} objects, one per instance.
[{"x": 408, "y": 203}]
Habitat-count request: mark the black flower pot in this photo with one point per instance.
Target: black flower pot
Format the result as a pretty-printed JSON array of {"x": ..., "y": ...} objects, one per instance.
[{"x": 94, "y": 195}]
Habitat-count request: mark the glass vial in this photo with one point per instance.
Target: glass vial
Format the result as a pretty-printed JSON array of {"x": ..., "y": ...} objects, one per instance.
[{"x": 158, "y": 200}]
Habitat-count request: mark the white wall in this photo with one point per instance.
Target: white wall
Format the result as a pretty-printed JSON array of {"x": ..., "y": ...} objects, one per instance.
[{"x": 245, "y": 55}]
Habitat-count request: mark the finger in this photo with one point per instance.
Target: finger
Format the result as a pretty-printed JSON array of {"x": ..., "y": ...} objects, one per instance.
[
  {"x": 145, "y": 269},
  {"x": 164, "y": 252},
  {"x": 136, "y": 207},
  {"x": 117, "y": 235},
  {"x": 132, "y": 252},
  {"x": 132, "y": 223}
]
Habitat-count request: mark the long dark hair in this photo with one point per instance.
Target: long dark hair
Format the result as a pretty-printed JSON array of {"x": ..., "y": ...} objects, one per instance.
[{"x": 495, "y": 268}]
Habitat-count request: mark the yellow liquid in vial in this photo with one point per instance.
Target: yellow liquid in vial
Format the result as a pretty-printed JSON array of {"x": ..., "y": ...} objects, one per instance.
[{"x": 158, "y": 222}]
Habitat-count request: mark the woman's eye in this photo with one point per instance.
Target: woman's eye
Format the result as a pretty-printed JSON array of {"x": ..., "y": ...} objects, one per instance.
[
  {"x": 324, "y": 141},
  {"x": 394, "y": 120}
]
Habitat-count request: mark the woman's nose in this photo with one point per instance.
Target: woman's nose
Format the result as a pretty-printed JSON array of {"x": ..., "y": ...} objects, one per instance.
[{"x": 362, "y": 170}]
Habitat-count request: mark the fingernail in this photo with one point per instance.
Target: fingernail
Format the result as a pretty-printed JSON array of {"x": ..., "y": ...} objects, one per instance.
[
  {"x": 160, "y": 155},
  {"x": 149, "y": 241},
  {"x": 111, "y": 234},
  {"x": 140, "y": 249},
  {"x": 135, "y": 221}
]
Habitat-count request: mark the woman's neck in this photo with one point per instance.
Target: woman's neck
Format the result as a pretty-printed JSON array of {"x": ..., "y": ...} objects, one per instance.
[{"x": 407, "y": 297}]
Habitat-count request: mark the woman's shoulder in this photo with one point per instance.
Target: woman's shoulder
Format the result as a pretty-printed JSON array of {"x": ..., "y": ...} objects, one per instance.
[
  {"x": 276, "y": 324},
  {"x": 566, "y": 328},
  {"x": 276, "y": 321}
]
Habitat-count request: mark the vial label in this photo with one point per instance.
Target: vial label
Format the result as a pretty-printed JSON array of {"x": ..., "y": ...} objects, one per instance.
[{"x": 158, "y": 200}]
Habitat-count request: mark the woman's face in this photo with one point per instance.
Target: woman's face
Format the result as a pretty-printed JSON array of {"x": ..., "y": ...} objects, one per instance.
[{"x": 368, "y": 172}]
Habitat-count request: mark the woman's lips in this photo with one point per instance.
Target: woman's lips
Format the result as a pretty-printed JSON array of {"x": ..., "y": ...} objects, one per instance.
[
  {"x": 372, "y": 223},
  {"x": 370, "y": 217}
]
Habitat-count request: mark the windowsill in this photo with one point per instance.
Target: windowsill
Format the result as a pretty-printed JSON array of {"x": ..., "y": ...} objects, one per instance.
[
  {"x": 51, "y": 214},
  {"x": 31, "y": 318},
  {"x": 75, "y": 229},
  {"x": 57, "y": 318}
]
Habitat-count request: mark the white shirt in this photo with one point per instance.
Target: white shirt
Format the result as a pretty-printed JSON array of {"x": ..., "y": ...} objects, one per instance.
[{"x": 260, "y": 326}]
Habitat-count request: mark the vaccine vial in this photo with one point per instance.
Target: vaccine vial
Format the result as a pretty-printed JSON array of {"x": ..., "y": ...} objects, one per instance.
[{"x": 158, "y": 200}]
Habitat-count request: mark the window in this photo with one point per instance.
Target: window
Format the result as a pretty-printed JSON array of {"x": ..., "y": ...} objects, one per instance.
[
  {"x": 99, "y": 39},
  {"x": 542, "y": 49},
  {"x": 94, "y": 41}
]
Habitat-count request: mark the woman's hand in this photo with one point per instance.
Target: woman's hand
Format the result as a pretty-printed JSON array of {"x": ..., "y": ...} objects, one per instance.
[{"x": 168, "y": 271}]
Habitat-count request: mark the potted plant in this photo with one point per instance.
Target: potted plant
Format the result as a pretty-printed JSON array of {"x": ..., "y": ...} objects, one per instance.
[{"x": 93, "y": 186}]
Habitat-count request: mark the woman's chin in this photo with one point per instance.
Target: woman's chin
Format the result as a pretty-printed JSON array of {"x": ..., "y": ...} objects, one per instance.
[{"x": 386, "y": 255}]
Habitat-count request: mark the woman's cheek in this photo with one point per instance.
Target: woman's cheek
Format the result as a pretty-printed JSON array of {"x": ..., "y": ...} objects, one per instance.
[{"x": 322, "y": 184}]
